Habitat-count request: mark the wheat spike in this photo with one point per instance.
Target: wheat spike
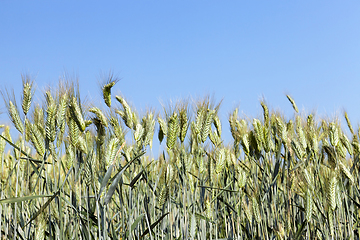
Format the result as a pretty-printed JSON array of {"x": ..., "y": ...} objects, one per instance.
[
  {"x": 300, "y": 133},
  {"x": 173, "y": 130},
  {"x": 308, "y": 205},
  {"x": 39, "y": 119},
  {"x": 207, "y": 125},
  {"x": 88, "y": 173},
  {"x": 200, "y": 118},
  {"x": 164, "y": 193},
  {"x": 111, "y": 151},
  {"x": 61, "y": 118},
  {"x": 245, "y": 143},
  {"x": 127, "y": 115},
  {"x": 217, "y": 124},
  {"x": 76, "y": 114},
  {"x": 50, "y": 129},
  {"x": 334, "y": 134},
  {"x": 81, "y": 144},
  {"x": 73, "y": 132},
  {"x": 266, "y": 113},
  {"x": 349, "y": 123},
  {"x": 148, "y": 125},
  {"x": 281, "y": 129},
  {"x": 292, "y": 103},
  {"x": 193, "y": 226},
  {"x": 106, "y": 89},
  {"x": 184, "y": 124},
  {"x": 37, "y": 139},
  {"x": 232, "y": 122},
  {"x": 332, "y": 191},
  {"x": 139, "y": 131},
  {"x": 241, "y": 178},
  {"x": 341, "y": 150},
  {"x": 163, "y": 128},
  {"x": 259, "y": 134},
  {"x": 309, "y": 178},
  {"x": 117, "y": 129},
  {"x": 27, "y": 94},
  {"x": 215, "y": 139},
  {"x": 53, "y": 151},
  {"x": 100, "y": 115},
  {"x": 345, "y": 141},
  {"x": 15, "y": 117},
  {"x": 346, "y": 171},
  {"x": 299, "y": 152},
  {"x": 220, "y": 163}
]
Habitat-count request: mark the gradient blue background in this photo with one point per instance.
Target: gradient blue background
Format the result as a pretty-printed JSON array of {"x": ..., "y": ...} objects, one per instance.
[{"x": 238, "y": 51}]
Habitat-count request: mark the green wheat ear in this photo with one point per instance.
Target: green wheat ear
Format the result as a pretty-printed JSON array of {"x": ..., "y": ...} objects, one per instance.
[
  {"x": 27, "y": 94},
  {"x": 77, "y": 114},
  {"x": 173, "y": 131},
  {"x": 100, "y": 115},
  {"x": 266, "y": 113},
  {"x": 184, "y": 123},
  {"x": 349, "y": 123},
  {"x": 107, "y": 90},
  {"x": 293, "y": 103},
  {"x": 15, "y": 117},
  {"x": 332, "y": 191}
]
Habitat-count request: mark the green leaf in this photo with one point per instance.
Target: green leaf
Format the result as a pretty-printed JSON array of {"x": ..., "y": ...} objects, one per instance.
[
  {"x": 43, "y": 207},
  {"x": 114, "y": 184},
  {"x": 105, "y": 180},
  {"x": 20, "y": 199},
  {"x": 153, "y": 225},
  {"x": 134, "y": 225}
]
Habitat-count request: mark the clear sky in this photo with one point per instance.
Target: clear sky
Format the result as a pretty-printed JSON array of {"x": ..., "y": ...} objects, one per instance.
[{"x": 239, "y": 51}]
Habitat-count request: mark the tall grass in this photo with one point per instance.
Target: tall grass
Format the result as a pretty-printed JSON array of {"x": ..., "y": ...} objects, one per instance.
[{"x": 78, "y": 171}]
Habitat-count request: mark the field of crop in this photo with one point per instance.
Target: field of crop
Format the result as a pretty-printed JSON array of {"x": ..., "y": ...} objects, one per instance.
[{"x": 78, "y": 171}]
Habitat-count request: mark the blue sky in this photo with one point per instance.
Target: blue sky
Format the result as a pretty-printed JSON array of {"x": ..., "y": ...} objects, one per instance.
[{"x": 238, "y": 51}]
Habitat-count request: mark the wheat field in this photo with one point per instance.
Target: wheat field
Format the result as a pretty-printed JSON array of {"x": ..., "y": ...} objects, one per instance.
[{"x": 79, "y": 171}]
